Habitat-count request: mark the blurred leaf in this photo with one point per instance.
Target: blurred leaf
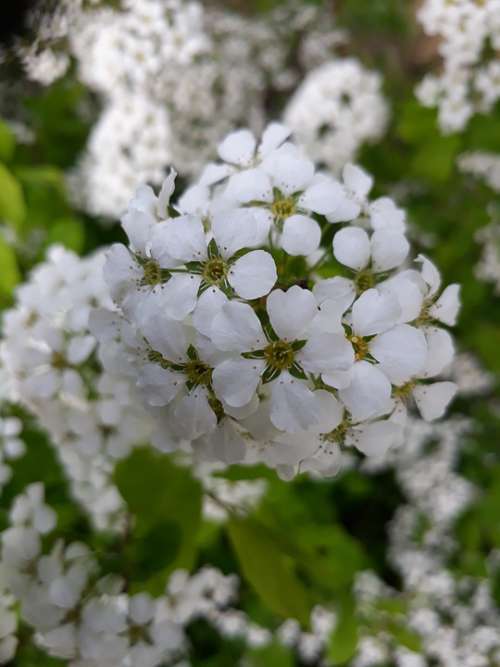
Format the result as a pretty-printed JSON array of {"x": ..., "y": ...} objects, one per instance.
[
  {"x": 12, "y": 206},
  {"x": 44, "y": 193},
  {"x": 69, "y": 232},
  {"x": 9, "y": 272},
  {"x": 163, "y": 498},
  {"x": 435, "y": 160},
  {"x": 273, "y": 655},
  {"x": 344, "y": 640},
  {"x": 7, "y": 142},
  {"x": 269, "y": 569}
]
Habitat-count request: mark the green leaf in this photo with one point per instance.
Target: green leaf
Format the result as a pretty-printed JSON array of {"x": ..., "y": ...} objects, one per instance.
[
  {"x": 7, "y": 142},
  {"x": 69, "y": 232},
  {"x": 269, "y": 569},
  {"x": 45, "y": 195},
  {"x": 273, "y": 655},
  {"x": 9, "y": 273},
  {"x": 344, "y": 640},
  {"x": 165, "y": 502},
  {"x": 12, "y": 205}
]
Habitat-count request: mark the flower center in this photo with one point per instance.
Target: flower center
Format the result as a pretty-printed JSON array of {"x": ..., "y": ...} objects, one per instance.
[
  {"x": 404, "y": 392},
  {"x": 360, "y": 346},
  {"x": 364, "y": 280},
  {"x": 58, "y": 361},
  {"x": 214, "y": 271},
  {"x": 198, "y": 372},
  {"x": 338, "y": 434},
  {"x": 283, "y": 208},
  {"x": 152, "y": 273},
  {"x": 279, "y": 355}
]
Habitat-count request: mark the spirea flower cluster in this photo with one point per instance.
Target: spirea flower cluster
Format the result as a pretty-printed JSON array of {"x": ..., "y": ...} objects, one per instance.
[
  {"x": 49, "y": 356},
  {"x": 174, "y": 78},
  {"x": 338, "y": 107},
  {"x": 240, "y": 350},
  {"x": 469, "y": 78}
]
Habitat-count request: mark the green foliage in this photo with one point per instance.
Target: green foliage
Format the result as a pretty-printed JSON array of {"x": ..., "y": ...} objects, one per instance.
[
  {"x": 165, "y": 506},
  {"x": 269, "y": 569},
  {"x": 7, "y": 142},
  {"x": 12, "y": 205},
  {"x": 344, "y": 639},
  {"x": 9, "y": 276}
]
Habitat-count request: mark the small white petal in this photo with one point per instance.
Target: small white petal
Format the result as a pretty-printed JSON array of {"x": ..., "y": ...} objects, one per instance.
[
  {"x": 272, "y": 138},
  {"x": 159, "y": 385},
  {"x": 389, "y": 249},
  {"x": 369, "y": 394},
  {"x": 80, "y": 348},
  {"x": 238, "y": 148},
  {"x": 178, "y": 297},
  {"x": 233, "y": 230},
  {"x": 226, "y": 444},
  {"x": 433, "y": 399},
  {"x": 301, "y": 235},
  {"x": 193, "y": 415},
  {"x": 331, "y": 412},
  {"x": 447, "y": 306},
  {"x": 166, "y": 336},
  {"x": 182, "y": 238},
  {"x": 326, "y": 353},
  {"x": 440, "y": 351},
  {"x": 351, "y": 247},
  {"x": 235, "y": 381},
  {"x": 236, "y": 328},
  {"x": 138, "y": 226},
  {"x": 336, "y": 289},
  {"x": 430, "y": 274},
  {"x": 323, "y": 197},
  {"x": 374, "y": 312},
  {"x": 357, "y": 180},
  {"x": 294, "y": 407},
  {"x": 385, "y": 215},
  {"x": 289, "y": 171},
  {"x": 253, "y": 275},
  {"x": 401, "y": 352},
  {"x": 207, "y": 307},
  {"x": 291, "y": 312},
  {"x": 375, "y": 439},
  {"x": 249, "y": 185}
]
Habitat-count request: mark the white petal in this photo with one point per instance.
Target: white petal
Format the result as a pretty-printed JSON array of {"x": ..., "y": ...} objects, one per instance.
[
  {"x": 369, "y": 394},
  {"x": 401, "y": 351},
  {"x": 178, "y": 296},
  {"x": 166, "y": 336},
  {"x": 289, "y": 172},
  {"x": 357, "y": 180},
  {"x": 238, "y": 148},
  {"x": 166, "y": 192},
  {"x": 389, "y": 249},
  {"x": 291, "y": 312},
  {"x": 193, "y": 415},
  {"x": 274, "y": 135},
  {"x": 338, "y": 379},
  {"x": 328, "y": 318},
  {"x": 207, "y": 307},
  {"x": 408, "y": 294},
  {"x": 375, "y": 439},
  {"x": 159, "y": 385},
  {"x": 374, "y": 312},
  {"x": 235, "y": 381},
  {"x": 141, "y": 608},
  {"x": 433, "y": 399},
  {"x": 214, "y": 173},
  {"x": 331, "y": 412},
  {"x": 447, "y": 306},
  {"x": 80, "y": 348},
  {"x": 226, "y": 444},
  {"x": 430, "y": 274},
  {"x": 336, "y": 289},
  {"x": 182, "y": 238},
  {"x": 385, "y": 215},
  {"x": 249, "y": 185},
  {"x": 301, "y": 235},
  {"x": 236, "y": 328},
  {"x": 138, "y": 226},
  {"x": 253, "y": 275},
  {"x": 347, "y": 209},
  {"x": 294, "y": 407},
  {"x": 440, "y": 351},
  {"x": 323, "y": 197},
  {"x": 233, "y": 230},
  {"x": 325, "y": 353},
  {"x": 120, "y": 271},
  {"x": 351, "y": 247}
]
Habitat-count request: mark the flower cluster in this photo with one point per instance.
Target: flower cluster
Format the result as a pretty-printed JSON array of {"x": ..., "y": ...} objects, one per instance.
[
  {"x": 337, "y": 108},
  {"x": 81, "y": 615},
  {"x": 469, "y": 83},
  {"x": 174, "y": 77},
  {"x": 239, "y": 349},
  {"x": 49, "y": 357},
  {"x": 454, "y": 618},
  {"x": 11, "y": 445}
]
